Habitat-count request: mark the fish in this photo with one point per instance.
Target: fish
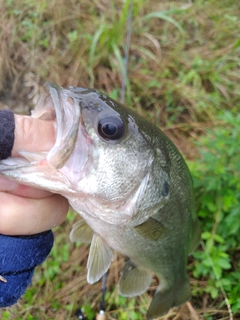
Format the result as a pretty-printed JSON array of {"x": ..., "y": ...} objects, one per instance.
[{"x": 129, "y": 184}]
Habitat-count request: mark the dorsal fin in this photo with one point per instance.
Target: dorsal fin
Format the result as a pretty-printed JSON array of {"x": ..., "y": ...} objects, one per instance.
[{"x": 196, "y": 237}]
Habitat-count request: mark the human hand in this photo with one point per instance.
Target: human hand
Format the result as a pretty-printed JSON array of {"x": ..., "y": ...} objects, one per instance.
[{"x": 26, "y": 210}]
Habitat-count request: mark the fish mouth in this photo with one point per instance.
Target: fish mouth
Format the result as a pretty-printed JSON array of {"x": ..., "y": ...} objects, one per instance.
[
  {"x": 67, "y": 114},
  {"x": 59, "y": 169}
]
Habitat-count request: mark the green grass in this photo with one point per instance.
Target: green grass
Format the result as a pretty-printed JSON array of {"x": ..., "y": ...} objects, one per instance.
[
  {"x": 217, "y": 182},
  {"x": 183, "y": 75}
]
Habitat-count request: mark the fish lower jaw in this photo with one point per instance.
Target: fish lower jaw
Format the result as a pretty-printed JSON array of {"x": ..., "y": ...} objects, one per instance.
[{"x": 98, "y": 216}]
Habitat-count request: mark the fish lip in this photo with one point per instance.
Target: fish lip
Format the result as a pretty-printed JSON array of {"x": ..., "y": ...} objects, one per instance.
[
  {"x": 62, "y": 149},
  {"x": 71, "y": 134}
]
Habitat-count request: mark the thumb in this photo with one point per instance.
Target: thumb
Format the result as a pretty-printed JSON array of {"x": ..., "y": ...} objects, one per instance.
[{"x": 32, "y": 134}]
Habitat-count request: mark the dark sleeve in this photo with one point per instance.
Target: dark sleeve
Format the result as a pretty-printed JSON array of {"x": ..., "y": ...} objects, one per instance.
[
  {"x": 7, "y": 127},
  {"x": 18, "y": 255},
  {"x": 18, "y": 258}
]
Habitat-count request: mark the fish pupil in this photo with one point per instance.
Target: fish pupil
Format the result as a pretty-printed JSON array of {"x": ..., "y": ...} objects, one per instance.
[{"x": 111, "y": 128}]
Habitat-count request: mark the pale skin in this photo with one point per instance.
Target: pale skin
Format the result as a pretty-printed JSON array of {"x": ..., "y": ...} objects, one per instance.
[{"x": 26, "y": 210}]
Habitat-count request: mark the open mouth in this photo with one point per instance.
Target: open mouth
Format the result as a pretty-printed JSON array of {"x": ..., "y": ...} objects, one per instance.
[
  {"x": 67, "y": 113},
  {"x": 54, "y": 170}
]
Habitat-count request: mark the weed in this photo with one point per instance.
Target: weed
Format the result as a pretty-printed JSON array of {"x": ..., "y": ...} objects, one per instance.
[{"x": 216, "y": 176}]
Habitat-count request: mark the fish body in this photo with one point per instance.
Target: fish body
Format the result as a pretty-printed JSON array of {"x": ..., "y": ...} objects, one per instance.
[{"x": 128, "y": 182}]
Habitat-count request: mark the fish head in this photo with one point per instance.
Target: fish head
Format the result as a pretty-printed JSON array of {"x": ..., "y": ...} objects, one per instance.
[
  {"x": 103, "y": 156},
  {"x": 113, "y": 160}
]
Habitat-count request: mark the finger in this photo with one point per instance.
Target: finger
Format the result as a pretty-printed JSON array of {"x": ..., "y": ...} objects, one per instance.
[
  {"x": 30, "y": 192},
  {"x": 33, "y": 134},
  {"x": 23, "y": 216},
  {"x": 15, "y": 188}
]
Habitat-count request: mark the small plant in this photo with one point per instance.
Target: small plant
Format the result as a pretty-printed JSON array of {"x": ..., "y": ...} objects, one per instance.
[{"x": 217, "y": 182}]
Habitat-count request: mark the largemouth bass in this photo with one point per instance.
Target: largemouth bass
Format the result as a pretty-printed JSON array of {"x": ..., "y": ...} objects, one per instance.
[{"x": 128, "y": 182}]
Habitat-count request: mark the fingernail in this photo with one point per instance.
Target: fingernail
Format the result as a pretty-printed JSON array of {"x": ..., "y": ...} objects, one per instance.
[{"x": 7, "y": 185}]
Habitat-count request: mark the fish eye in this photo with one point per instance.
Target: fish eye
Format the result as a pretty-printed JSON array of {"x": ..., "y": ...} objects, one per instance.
[{"x": 111, "y": 127}]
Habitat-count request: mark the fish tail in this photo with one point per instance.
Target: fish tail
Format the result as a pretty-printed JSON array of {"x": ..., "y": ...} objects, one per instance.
[{"x": 165, "y": 299}]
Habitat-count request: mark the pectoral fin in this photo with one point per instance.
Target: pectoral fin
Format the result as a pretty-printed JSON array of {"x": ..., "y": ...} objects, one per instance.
[
  {"x": 134, "y": 280},
  {"x": 151, "y": 229},
  {"x": 81, "y": 232},
  {"x": 99, "y": 260}
]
